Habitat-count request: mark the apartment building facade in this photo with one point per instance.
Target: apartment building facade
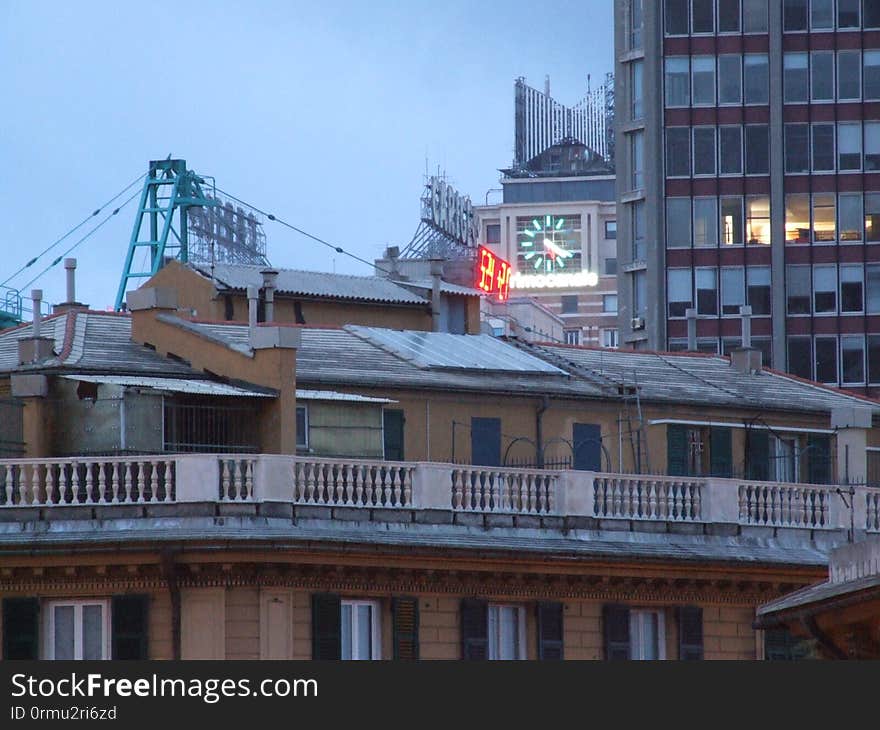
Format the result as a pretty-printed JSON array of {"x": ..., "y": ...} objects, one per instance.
[{"x": 747, "y": 153}]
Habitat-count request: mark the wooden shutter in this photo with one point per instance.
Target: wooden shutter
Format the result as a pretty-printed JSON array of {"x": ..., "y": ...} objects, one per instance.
[
  {"x": 129, "y": 627},
  {"x": 615, "y": 621},
  {"x": 819, "y": 459},
  {"x": 690, "y": 633},
  {"x": 21, "y": 628},
  {"x": 405, "y": 620},
  {"x": 486, "y": 441},
  {"x": 758, "y": 455},
  {"x": 550, "y": 633},
  {"x": 474, "y": 629},
  {"x": 676, "y": 450},
  {"x": 720, "y": 452},
  {"x": 326, "y": 626}
]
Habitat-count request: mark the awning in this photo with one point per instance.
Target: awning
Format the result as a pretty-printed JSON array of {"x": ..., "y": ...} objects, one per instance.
[
  {"x": 332, "y": 395},
  {"x": 174, "y": 385}
]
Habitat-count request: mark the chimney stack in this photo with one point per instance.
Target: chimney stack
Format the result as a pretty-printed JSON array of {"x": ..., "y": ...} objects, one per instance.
[
  {"x": 436, "y": 273},
  {"x": 745, "y": 312},
  {"x": 70, "y": 269},
  {"x": 691, "y": 315},
  {"x": 270, "y": 277},
  {"x": 253, "y": 295},
  {"x": 37, "y": 298},
  {"x": 35, "y": 348},
  {"x": 746, "y": 359}
]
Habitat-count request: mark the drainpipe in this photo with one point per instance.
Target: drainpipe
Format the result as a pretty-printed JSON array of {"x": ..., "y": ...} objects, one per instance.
[
  {"x": 37, "y": 297},
  {"x": 253, "y": 294},
  {"x": 539, "y": 432},
  {"x": 691, "y": 315}
]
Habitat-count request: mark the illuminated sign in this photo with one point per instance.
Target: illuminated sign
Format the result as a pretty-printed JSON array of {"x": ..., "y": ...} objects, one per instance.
[
  {"x": 448, "y": 212},
  {"x": 554, "y": 281},
  {"x": 492, "y": 275}
]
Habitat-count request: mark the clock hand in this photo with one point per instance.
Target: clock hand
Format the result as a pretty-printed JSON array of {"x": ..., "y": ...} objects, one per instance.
[{"x": 556, "y": 250}]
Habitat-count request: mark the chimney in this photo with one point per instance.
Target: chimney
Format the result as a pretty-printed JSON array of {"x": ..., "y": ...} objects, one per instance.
[
  {"x": 253, "y": 295},
  {"x": 70, "y": 302},
  {"x": 270, "y": 277},
  {"x": 35, "y": 348},
  {"x": 436, "y": 272},
  {"x": 745, "y": 312},
  {"x": 691, "y": 315},
  {"x": 392, "y": 253}
]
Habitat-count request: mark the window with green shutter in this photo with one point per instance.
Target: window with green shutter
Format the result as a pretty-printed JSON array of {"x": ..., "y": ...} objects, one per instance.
[
  {"x": 676, "y": 450},
  {"x": 720, "y": 452},
  {"x": 550, "y": 630},
  {"x": 474, "y": 629},
  {"x": 326, "y": 626},
  {"x": 21, "y": 622},
  {"x": 405, "y": 621},
  {"x": 819, "y": 458},
  {"x": 758, "y": 454},
  {"x": 690, "y": 633},
  {"x": 129, "y": 618},
  {"x": 615, "y": 625}
]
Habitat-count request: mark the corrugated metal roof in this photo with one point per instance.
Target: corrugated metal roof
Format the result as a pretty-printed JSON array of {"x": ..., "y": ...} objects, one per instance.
[
  {"x": 175, "y": 385},
  {"x": 444, "y": 350},
  {"x": 314, "y": 283},
  {"x": 332, "y": 395}
]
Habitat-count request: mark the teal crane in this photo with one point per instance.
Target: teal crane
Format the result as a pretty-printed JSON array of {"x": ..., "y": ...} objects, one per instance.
[{"x": 170, "y": 190}]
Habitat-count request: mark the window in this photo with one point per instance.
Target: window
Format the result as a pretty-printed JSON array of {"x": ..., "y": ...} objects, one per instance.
[
  {"x": 704, "y": 151},
  {"x": 677, "y": 82},
  {"x": 647, "y": 635},
  {"x": 705, "y": 222},
  {"x": 302, "y": 427},
  {"x": 872, "y": 216},
  {"x": 872, "y": 146},
  {"x": 849, "y": 75},
  {"x": 851, "y": 288},
  {"x": 852, "y": 359},
  {"x": 785, "y": 455},
  {"x": 732, "y": 290},
  {"x": 822, "y": 76},
  {"x": 797, "y": 148},
  {"x": 874, "y": 358},
  {"x": 639, "y": 252},
  {"x": 795, "y": 78},
  {"x": 493, "y": 233},
  {"x": 800, "y": 357},
  {"x": 572, "y": 337},
  {"x": 679, "y": 291},
  {"x": 636, "y": 23},
  {"x": 823, "y": 218},
  {"x": 794, "y": 15},
  {"x": 871, "y": 71},
  {"x": 732, "y": 221},
  {"x": 797, "y": 218},
  {"x": 826, "y": 359},
  {"x": 872, "y": 14},
  {"x": 569, "y": 303},
  {"x": 609, "y": 303},
  {"x": 756, "y": 78},
  {"x": 754, "y": 16},
  {"x": 637, "y": 142},
  {"x": 730, "y": 79},
  {"x": 872, "y": 288},
  {"x": 825, "y": 289},
  {"x": 677, "y": 17},
  {"x": 609, "y": 338},
  {"x": 77, "y": 630},
  {"x": 360, "y": 630},
  {"x": 731, "y": 150},
  {"x": 757, "y": 149},
  {"x": 848, "y": 13},
  {"x": 640, "y": 293},
  {"x": 822, "y": 14},
  {"x": 797, "y": 287},
  {"x": 678, "y": 222},
  {"x": 610, "y": 266},
  {"x": 758, "y": 289},
  {"x": 849, "y": 215},
  {"x": 678, "y": 147},
  {"x": 703, "y": 77},
  {"x": 507, "y": 632},
  {"x": 758, "y": 220},
  {"x": 849, "y": 146},
  {"x": 823, "y": 147},
  {"x": 707, "y": 291},
  {"x": 728, "y": 16},
  {"x": 637, "y": 73},
  {"x": 611, "y": 230}
]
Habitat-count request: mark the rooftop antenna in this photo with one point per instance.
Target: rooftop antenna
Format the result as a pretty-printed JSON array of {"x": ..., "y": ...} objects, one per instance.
[
  {"x": 547, "y": 85},
  {"x": 588, "y": 83}
]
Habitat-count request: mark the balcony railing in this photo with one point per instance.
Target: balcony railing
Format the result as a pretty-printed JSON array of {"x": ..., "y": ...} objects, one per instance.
[{"x": 367, "y": 484}]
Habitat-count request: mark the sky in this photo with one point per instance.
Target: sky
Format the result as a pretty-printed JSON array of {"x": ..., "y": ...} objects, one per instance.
[{"x": 324, "y": 114}]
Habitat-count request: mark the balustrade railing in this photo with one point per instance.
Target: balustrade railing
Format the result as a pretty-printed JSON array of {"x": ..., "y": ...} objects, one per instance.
[
  {"x": 648, "y": 498},
  {"x": 351, "y": 483},
  {"x": 482, "y": 489},
  {"x": 785, "y": 505}
]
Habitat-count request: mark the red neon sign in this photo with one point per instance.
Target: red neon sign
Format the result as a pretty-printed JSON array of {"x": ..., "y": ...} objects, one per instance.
[{"x": 492, "y": 275}]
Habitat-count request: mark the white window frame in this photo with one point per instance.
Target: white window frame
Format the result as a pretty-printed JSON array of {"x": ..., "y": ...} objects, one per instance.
[
  {"x": 375, "y": 628},
  {"x": 779, "y": 454},
  {"x": 77, "y": 605},
  {"x": 572, "y": 336},
  {"x": 610, "y": 338},
  {"x": 636, "y": 632},
  {"x": 494, "y": 641},
  {"x": 304, "y": 444}
]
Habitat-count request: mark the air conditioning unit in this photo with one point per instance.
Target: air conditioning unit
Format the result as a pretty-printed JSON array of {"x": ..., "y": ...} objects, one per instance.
[{"x": 638, "y": 323}]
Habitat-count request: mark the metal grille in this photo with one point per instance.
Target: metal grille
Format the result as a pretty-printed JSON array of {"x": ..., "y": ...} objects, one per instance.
[{"x": 191, "y": 427}]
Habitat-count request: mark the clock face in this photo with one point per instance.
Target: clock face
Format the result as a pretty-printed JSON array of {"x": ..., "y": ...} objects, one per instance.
[{"x": 548, "y": 244}]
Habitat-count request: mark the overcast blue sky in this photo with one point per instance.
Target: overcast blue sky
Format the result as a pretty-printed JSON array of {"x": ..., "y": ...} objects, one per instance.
[{"x": 322, "y": 112}]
